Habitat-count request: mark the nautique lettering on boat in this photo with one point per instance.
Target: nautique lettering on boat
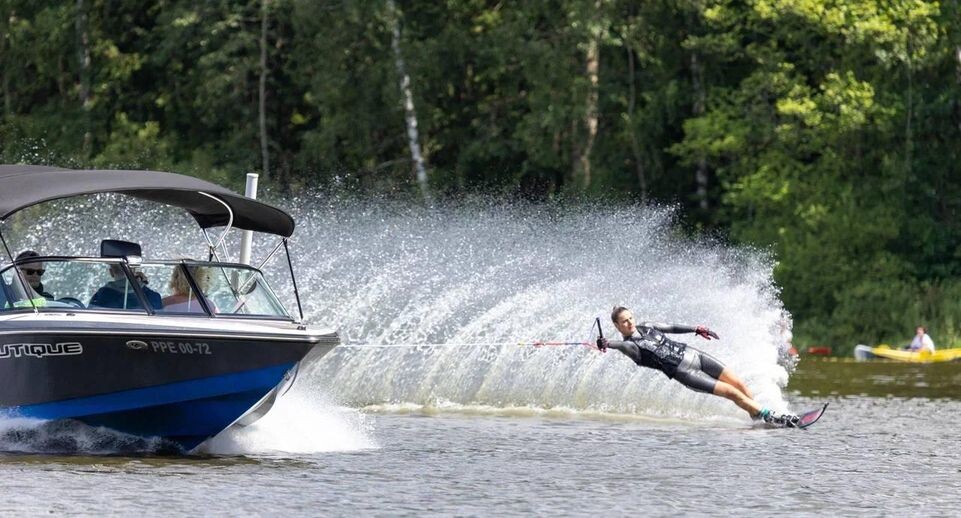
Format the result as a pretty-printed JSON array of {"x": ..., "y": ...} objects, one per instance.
[{"x": 40, "y": 350}]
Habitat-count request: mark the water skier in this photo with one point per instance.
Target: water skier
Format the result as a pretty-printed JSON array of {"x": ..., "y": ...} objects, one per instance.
[{"x": 648, "y": 347}]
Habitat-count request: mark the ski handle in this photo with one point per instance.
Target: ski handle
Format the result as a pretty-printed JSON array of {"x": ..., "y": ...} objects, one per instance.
[{"x": 600, "y": 334}]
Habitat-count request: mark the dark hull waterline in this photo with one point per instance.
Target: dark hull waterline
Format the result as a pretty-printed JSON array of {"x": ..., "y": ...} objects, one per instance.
[
  {"x": 183, "y": 389},
  {"x": 186, "y": 413}
]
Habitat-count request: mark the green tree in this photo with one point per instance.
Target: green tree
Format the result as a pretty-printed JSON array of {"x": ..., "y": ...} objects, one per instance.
[{"x": 811, "y": 146}]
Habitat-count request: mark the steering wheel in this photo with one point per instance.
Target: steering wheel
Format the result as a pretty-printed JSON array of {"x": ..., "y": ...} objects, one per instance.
[{"x": 72, "y": 301}]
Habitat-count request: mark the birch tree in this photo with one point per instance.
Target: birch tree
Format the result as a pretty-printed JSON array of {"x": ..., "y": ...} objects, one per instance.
[
  {"x": 262, "y": 92},
  {"x": 595, "y": 21},
  {"x": 410, "y": 114},
  {"x": 83, "y": 61}
]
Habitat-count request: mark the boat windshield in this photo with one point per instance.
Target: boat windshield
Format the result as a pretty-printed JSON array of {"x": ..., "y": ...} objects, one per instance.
[
  {"x": 181, "y": 287},
  {"x": 226, "y": 289}
]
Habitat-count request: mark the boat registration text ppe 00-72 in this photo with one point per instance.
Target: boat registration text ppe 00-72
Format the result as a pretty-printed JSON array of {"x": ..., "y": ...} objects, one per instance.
[{"x": 171, "y": 347}]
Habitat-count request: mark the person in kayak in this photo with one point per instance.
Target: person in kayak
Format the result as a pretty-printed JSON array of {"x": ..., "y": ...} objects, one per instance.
[
  {"x": 921, "y": 342},
  {"x": 648, "y": 346}
]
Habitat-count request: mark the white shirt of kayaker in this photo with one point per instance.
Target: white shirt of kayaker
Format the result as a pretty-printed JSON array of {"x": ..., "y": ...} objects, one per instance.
[{"x": 922, "y": 343}]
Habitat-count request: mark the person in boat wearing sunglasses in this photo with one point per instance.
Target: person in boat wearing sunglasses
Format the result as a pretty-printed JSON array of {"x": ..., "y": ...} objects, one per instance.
[
  {"x": 647, "y": 345},
  {"x": 33, "y": 273}
]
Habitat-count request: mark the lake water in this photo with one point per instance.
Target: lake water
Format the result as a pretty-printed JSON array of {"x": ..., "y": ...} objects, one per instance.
[
  {"x": 433, "y": 408},
  {"x": 869, "y": 455}
]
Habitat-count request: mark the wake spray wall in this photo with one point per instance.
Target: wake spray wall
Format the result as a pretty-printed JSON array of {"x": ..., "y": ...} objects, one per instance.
[{"x": 432, "y": 301}]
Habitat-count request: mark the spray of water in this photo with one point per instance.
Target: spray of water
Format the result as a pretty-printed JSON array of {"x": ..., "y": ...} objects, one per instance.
[
  {"x": 25, "y": 435},
  {"x": 300, "y": 422},
  {"x": 474, "y": 276},
  {"x": 432, "y": 299}
]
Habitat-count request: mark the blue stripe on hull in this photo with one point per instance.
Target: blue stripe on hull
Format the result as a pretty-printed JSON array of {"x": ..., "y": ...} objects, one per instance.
[{"x": 186, "y": 412}]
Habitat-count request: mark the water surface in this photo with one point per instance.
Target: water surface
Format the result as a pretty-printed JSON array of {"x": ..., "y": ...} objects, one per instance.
[{"x": 891, "y": 455}]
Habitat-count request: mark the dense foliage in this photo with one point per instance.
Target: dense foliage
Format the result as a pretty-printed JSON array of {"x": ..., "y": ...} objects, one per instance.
[{"x": 829, "y": 132}]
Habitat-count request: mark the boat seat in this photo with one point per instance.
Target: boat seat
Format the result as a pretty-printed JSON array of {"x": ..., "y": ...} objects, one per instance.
[{"x": 118, "y": 248}]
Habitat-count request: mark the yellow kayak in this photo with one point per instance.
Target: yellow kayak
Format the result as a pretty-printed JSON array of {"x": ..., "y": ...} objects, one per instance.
[{"x": 863, "y": 352}]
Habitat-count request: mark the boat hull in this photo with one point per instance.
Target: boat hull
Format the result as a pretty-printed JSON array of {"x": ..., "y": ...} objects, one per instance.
[
  {"x": 186, "y": 413},
  {"x": 180, "y": 385}
]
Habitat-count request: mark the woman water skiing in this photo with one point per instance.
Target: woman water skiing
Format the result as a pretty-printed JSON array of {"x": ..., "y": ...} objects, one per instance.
[{"x": 697, "y": 370}]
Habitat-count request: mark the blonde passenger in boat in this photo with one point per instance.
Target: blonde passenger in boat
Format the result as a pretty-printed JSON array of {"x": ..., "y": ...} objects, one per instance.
[{"x": 183, "y": 299}]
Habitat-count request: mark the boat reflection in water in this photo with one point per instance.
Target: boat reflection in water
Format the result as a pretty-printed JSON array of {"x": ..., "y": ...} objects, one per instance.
[{"x": 175, "y": 349}]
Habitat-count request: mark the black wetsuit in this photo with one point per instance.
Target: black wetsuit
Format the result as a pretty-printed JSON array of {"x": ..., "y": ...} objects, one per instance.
[{"x": 649, "y": 347}]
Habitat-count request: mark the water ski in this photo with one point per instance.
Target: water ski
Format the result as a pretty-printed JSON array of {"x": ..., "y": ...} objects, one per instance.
[
  {"x": 811, "y": 416},
  {"x": 802, "y": 420}
]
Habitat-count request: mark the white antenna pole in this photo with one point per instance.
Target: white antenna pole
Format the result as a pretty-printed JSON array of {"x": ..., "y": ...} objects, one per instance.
[{"x": 247, "y": 237}]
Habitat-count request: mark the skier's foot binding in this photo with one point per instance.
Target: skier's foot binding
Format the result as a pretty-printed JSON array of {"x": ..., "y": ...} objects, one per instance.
[{"x": 785, "y": 420}]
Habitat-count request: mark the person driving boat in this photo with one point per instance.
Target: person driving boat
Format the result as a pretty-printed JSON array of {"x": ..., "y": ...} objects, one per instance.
[{"x": 33, "y": 273}]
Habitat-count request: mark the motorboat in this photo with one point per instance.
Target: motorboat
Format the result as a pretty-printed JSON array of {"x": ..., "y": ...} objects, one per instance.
[
  {"x": 884, "y": 352},
  {"x": 178, "y": 349}
]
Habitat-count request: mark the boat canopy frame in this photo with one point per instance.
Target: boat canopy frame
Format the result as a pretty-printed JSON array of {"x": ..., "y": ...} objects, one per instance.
[{"x": 23, "y": 186}]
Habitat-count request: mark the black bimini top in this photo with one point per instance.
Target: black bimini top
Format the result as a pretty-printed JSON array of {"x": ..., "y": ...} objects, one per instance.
[{"x": 22, "y": 186}]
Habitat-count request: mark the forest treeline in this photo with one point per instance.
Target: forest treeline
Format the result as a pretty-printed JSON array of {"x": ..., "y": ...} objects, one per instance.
[{"x": 826, "y": 131}]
